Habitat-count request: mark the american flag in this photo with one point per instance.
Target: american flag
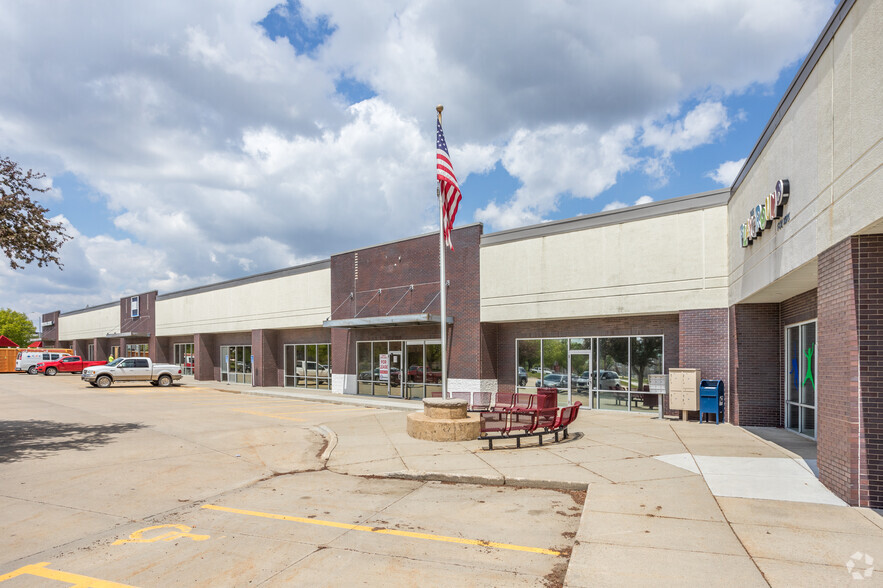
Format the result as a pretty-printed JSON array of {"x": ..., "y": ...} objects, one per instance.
[{"x": 447, "y": 183}]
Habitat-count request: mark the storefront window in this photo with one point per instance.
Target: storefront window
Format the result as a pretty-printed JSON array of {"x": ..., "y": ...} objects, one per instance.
[
  {"x": 308, "y": 365},
  {"x": 529, "y": 363},
  {"x": 610, "y": 373},
  {"x": 363, "y": 356},
  {"x": 137, "y": 350},
  {"x": 645, "y": 359},
  {"x": 414, "y": 368}
]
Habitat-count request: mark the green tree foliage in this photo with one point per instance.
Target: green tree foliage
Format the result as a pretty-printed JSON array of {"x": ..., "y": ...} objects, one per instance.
[
  {"x": 26, "y": 235},
  {"x": 17, "y": 326}
]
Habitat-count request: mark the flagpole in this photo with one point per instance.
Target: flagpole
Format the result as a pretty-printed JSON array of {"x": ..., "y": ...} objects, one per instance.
[{"x": 443, "y": 298}]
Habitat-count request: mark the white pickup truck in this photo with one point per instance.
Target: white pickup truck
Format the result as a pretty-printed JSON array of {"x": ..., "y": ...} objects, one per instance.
[{"x": 132, "y": 369}]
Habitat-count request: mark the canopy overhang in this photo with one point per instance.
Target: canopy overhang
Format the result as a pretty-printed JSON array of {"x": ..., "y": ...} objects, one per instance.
[{"x": 401, "y": 320}]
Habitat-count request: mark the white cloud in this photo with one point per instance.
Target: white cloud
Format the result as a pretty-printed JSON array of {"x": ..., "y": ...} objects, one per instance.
[
  {"x": 726, "y": 173},
  {"x": 574, "y": 159},
  {"x": 701, "y": 125},
  {"x": 212, "y": 150},
  {"x": 615, "y": 205}
]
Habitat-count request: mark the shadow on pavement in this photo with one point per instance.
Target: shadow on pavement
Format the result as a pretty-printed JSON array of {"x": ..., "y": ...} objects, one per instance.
[{"x": 20, "y": 440}]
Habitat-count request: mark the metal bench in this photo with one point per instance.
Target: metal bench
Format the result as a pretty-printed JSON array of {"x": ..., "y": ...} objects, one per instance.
[{"x": 524, "y": 422}]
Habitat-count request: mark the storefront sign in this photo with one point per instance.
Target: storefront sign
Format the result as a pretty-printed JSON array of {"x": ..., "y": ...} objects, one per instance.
[
  {"x": 384, "y": 366},
  {"x": 761, "y": 217},
  {"x": 47, "y": 323}
]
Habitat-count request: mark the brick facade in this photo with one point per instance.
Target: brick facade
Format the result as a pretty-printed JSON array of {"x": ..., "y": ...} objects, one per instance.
[
  {"x": 702, "y": 344},
  {"x": 403, "y": 278},
  {"x": 850, "y": 369},
  {"x": 755, "y": 365}
]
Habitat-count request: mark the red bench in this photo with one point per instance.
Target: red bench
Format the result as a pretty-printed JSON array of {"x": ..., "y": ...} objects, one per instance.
[{"x": 526, "y": 422}]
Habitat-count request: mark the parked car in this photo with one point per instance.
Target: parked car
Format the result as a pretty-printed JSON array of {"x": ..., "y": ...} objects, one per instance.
[
  {"x": 416, "y": 374},
  {"x": 26, "y": 361},
  {"x": 583, "y": 381},
  {"x": 394, "y": 376},
  {"x": 311, "y": 369},
  {"x": 132, "y": 369},
  {"x": 553, "y": 381},
  {"x": 70, "y": 365},
  {"x": 609, "y": 381},
  {"x": 522, "y": 376}
]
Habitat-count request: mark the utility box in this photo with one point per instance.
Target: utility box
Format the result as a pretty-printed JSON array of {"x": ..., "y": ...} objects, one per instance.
[
  {"x": 659, "y": 385},
  {"x": 683, "y": 389}
]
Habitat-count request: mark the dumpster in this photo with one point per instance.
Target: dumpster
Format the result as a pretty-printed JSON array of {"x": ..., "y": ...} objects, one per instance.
[{"x": 711, "y": 399}]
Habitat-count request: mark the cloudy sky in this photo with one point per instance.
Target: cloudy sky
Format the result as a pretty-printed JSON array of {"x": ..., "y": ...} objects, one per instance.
[{"x": 192, "y": 142}]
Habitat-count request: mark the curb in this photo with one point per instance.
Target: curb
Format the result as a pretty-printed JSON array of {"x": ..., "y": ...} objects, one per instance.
[
  {"x": 331, "y": 437},
  {"x": 487, "y": 480}
]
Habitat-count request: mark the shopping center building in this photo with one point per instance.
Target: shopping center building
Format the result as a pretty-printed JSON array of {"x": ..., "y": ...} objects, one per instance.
[{"x": 774, "y": 286}]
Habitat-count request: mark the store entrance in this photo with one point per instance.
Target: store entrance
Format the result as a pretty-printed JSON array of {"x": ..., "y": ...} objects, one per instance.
[{"x": 800, "y": 383}]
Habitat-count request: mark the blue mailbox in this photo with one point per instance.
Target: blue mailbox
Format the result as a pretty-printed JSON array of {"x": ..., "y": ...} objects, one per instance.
[{"x": 711, "y": 399}]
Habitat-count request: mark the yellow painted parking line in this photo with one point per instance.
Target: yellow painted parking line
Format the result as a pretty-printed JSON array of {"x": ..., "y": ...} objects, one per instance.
[
  {"x": 41, "y": 571},
  {"x": 382, "y": 531}
]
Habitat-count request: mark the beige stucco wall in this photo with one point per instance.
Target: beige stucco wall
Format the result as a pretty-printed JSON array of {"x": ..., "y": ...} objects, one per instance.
[
  {"x": 828, "y": 145},
  {"x": 655, "y": 265},
  {"x": 89, "y": 324},
  {"x": 296, "y": 301}
]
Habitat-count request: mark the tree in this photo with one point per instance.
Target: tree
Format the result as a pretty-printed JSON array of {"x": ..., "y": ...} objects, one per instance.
[
  {"x": 26, "y": 235},
  {"x": 17, "y": 326}
]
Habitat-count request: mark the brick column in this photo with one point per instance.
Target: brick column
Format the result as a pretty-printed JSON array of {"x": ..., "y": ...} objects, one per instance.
[
  {"x": 849, "y": 383},
  {"x": 755, "y": 367},
  {"x": 267, "y": 357},
  {"x": 159, "y": 349},
  {"x": 102, "y": 349},
  {"x": 703, "y": 345},
  {"x": 204, "y": 352}
]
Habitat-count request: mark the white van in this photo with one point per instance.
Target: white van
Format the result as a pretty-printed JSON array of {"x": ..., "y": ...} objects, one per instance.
[{"x": 26, "y": 361}]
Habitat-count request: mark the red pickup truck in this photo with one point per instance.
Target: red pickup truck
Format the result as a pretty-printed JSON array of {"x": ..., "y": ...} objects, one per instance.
[{"x": 71, "y": 365}]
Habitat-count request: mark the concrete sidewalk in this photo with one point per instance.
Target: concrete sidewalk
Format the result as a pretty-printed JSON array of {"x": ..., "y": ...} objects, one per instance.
[{"x": 668, "y": 502}]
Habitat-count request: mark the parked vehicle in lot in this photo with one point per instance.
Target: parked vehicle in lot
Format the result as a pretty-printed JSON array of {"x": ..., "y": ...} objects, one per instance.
[
  {"x": 26, "y": 361},
  {"x": 553, "y": 381},
  {"x": 416, "y": 373},
  {"x": 70, "y": 365},
  {"x": 609, "y": 381},
  {"x": 311, "y": 369},
  {"x": 132, "y": 369},
  {"x": 522, "y": 376},
  {"x": 583, "y": 381}
]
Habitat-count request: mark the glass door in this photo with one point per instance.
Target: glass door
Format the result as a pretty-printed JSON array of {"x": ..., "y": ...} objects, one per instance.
[
  {"x": 579, "y": 385},
  {"x": 800, "y": 384},
  {"x": 236, "y": 364},
  {"x": 184, "y": 357}
]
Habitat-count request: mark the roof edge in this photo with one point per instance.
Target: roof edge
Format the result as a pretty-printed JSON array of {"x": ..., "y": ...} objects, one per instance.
[
  {"x": 270, "y": 275},
  {"x": 710, "y": 199}
]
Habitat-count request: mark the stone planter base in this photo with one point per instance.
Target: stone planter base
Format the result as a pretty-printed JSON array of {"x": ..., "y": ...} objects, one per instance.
[{"x": 443, "y": 420}]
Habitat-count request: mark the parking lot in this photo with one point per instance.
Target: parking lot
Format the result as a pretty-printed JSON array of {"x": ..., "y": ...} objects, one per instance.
[{"x": 197, "y": 485}]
